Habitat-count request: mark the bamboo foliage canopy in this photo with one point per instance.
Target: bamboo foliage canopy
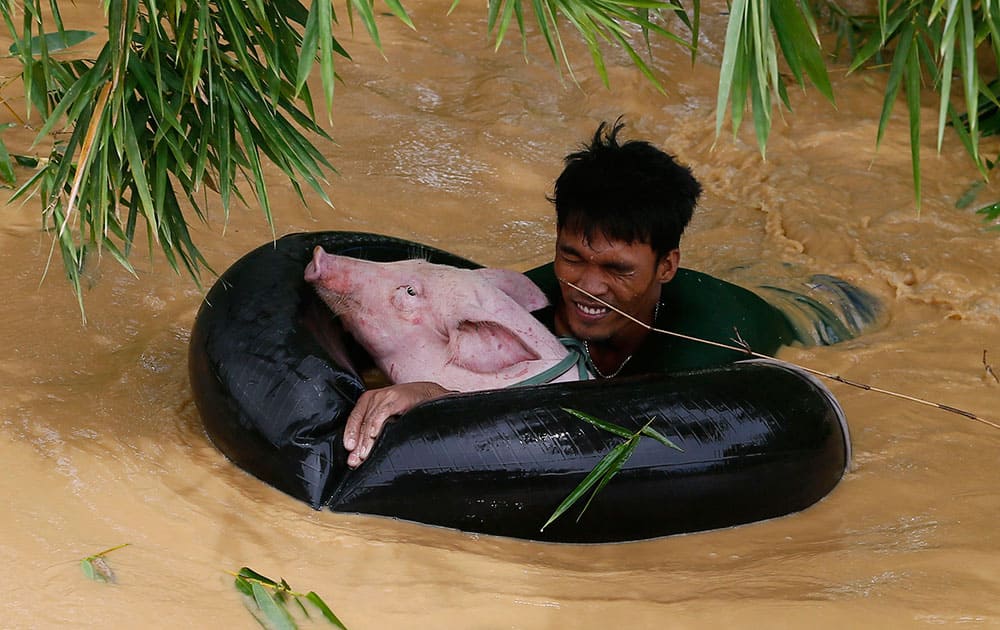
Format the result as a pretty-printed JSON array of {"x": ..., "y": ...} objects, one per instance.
[{"x": 195, "y": 94}]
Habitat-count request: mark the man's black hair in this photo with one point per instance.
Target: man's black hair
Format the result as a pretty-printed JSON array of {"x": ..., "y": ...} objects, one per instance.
[{"x": 631, "y": 192}]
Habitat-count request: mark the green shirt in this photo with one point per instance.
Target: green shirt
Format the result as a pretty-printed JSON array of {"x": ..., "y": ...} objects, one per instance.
[{"x": 697, "y": 305}]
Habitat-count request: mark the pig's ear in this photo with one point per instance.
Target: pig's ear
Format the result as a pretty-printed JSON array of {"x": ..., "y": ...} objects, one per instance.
[
  {"x": 517, "y": 286},
  {"x": 486, "y": 347}
]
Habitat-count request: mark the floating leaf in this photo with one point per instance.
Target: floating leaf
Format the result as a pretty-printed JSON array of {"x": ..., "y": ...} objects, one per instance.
[
  {"x": 247, "y": 572},
  {"x": 969, "y": 195},
  {"x": 273, "y": 610},
  {"x": 243, "y": 586},
  {"x": 991, "y": 213},
  {"x": 96, "y": 568},
  {"x": 268, "y": 600},
  {"x": 327, "y": 613}
]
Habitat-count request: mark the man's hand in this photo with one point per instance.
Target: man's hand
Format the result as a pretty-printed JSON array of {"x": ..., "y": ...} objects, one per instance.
[{"x": 375, "y": 407}]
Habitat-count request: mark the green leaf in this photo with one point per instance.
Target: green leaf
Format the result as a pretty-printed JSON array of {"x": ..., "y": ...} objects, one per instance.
[
  {"x": 730, "y": 56},
  {"x": 6, "y": 165},
  {"x": 969, "y": 195},
  {"x": 247, "y": 572},
  {"x": 597, "y": 422},
  {"x": 275, "y": 613},
  {"x": 364, "y": 9},
  {"x": 243, "y": 586},
  {"x": 325, "y": 610},
  {"x": 899, "y": 62},
  {"x": 97, "y": 569},
  {"x": 89, "y": 571},
  {"x": 799, "y": 45},
  {"x": 52, "y": 42},
  {"x": 615, "y": 466},
  {"x": 913, "y": 101},
  {"x": 593, "y": 477},
  {"x": 659, "y": 437},
  {"x": 990, "y": 212},
  {"x": 397, "y": 9}
]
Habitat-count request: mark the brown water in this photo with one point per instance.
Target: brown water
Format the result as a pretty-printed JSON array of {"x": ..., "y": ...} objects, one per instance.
[{"x": 453, "y": 145}]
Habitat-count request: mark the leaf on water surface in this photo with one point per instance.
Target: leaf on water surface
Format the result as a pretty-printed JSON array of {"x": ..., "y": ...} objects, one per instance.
[
  {"x": 969, "y": 195},
  {"x": 247, "y": 572},
  {"x": 327, "y": 613},
  {"x": 274, "y": 611},
  {"x": 243, "y": 586},
  {"x": 990, "y": 212},
  {"x": 268, "y": 600},
  {"x": 96, "y": 568}
]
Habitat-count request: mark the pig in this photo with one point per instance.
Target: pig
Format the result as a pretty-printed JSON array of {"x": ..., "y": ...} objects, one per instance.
[{"x": 465, "y": 329}]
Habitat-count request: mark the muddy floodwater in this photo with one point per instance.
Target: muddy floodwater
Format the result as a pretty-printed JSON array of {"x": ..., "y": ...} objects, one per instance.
[{"x": 448, "y": 143}]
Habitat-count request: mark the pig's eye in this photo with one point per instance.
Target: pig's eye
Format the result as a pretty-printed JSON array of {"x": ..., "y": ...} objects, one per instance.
[{"x": 410, "y": 290}]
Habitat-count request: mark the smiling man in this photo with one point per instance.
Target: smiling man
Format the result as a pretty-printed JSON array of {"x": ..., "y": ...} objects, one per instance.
[{"x": 620, "y": 211}]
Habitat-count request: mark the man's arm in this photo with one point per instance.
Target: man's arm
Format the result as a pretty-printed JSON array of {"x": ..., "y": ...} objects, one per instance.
[{"x": 375, "y": 407}]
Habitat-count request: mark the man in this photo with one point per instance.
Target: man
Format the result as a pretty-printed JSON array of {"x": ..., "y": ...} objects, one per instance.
[
  {"x": 621, "y": 209},
  {"x": 620, "y": 213}
]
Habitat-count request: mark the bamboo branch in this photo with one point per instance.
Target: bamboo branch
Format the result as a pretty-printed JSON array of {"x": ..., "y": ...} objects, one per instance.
[{"x": 743, "y": 347}]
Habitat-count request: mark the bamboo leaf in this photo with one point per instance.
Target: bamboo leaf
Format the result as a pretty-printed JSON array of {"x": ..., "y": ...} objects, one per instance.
[
  {"x": 52, "y": 42},
  {"x": 969, "y": 72},
  {"x": 913, "y": 103},
  {"x": 947, "y": 51},
  {"x": 659, "y": 437},
  {"x": 325, "y": 610},
  {"x": 367, "y": 15},
  {"x": 89, "y": 571},
  {"x": 397, "y": 9},
  {"x": 741, "y": 85},
  {"x": 273, "y": 610},
  {"x": 761, "y": 112},
  {"x": 247, "y": 572},
  {"x": 592, "y": 478},
  {"x": 799, "y": 45},
  {"x": 6, "y": 164},
  {"x": 327, "y": 72},
  {"x": 896, "y": 71},
  {"x": 734, "y": 35},
  {"x": 597, "y": 422},
  {"x": 138, "y": 169},
  {"x": 243, "y": 586},
  {"x": 505, "y": 18},
  {"x": 96, "y": 568},
  {"x": 615, "y": 466}
]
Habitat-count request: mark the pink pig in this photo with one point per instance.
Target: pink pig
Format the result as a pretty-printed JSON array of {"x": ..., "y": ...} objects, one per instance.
[{"x": 464, "y": 329}]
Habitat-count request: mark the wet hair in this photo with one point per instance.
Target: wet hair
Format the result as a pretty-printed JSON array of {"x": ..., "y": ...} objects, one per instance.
[{"x": 631, "y": 192}]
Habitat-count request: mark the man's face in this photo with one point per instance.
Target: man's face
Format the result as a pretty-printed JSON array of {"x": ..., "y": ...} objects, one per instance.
[{"x": 625, "y": 275}]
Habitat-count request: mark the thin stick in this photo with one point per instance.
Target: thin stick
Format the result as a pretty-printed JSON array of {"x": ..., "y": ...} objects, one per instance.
[
  {"x": 742, "y": 346},
  {"x": 989, "y": 368}
]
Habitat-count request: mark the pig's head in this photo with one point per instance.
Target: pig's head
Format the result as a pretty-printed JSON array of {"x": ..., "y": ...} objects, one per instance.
[{"x": 414, "y": 310}]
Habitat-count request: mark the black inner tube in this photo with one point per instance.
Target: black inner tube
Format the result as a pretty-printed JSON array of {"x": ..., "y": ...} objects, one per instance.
[{"x": 274, "y": 378}]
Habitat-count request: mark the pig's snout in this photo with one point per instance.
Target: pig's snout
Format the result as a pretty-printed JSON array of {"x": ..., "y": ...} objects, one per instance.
[{"x": 314, "y": 270}]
